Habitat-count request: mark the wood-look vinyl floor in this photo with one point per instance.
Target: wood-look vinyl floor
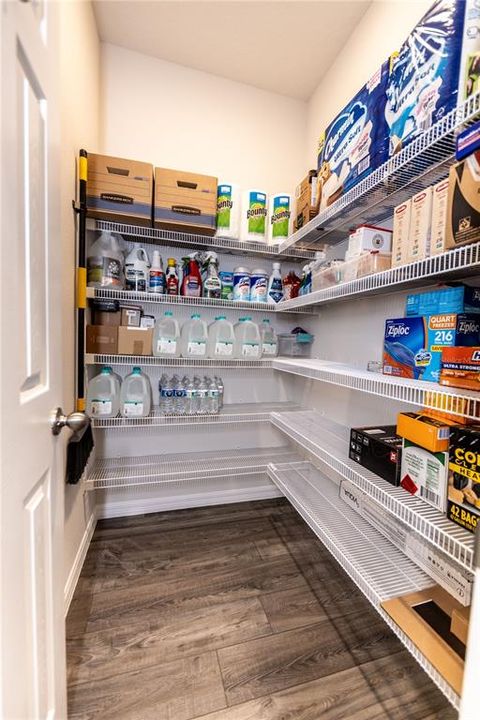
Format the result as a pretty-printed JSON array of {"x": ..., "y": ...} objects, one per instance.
[{"x": 234, "y": 612}]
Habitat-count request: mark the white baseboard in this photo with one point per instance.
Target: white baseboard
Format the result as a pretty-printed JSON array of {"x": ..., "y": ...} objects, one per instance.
[
  {"x": 74, "y": 573},
  {"x": 123, "y": 508}
]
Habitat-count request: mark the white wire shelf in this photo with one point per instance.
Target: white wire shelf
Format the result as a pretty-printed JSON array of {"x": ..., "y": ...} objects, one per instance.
[
  {"x": 150, "y": 360},
  {"x": 329, "y": 442},
  {"x": 374, "y": 564},
  {"x": 154, "y": 236},
  {"x": 463, "y": 403},
  {"x": 182, "y": 467},
  {"x": 453, "y": 265},
  {"x": 230, "y": 414},
  {"x": 421, "y": 163},
  {"x": 147, "y": 298}
]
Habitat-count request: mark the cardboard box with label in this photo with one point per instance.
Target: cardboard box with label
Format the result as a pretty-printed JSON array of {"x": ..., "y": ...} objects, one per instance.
[
  {"x": 185, "y": 201},
  {"x": 135, "y": 341},
  {"x": 306, "y": 200},
  {"x": 463, "y": 209},
  {"x": 101, "y": 339},
  {"x": 401, "y": 233},
  {"x": 464, "y": 477},
  {"x": 428, "y": 432},
  {"x": 418, "y": 247},
  {"x": 438, "y": 242},
  {"x": 425, "y": 474},
  {"x": 378, "y": 449},
  {"x": 369, "y": 238},
  {"x": 461, "y": 368},
  {"x": 131, "y": 315},
  {"x": 119, "y": 190}
]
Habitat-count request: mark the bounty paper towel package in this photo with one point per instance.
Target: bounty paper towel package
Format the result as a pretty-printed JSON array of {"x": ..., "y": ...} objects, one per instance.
[
  {"x": 355, "y": 143},
  {"x": 253, "y": 223},
  {"x": 280, "y": 218},
  {"x": 436, "y": 68},
  {"x": 228, "y": 210}
]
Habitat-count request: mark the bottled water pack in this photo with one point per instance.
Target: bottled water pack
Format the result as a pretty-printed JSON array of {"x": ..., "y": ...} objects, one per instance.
[{"x": 190, "y": 396}]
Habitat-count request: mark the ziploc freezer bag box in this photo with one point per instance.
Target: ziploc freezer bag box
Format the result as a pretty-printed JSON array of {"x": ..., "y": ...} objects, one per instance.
[
  {"x": 436, "y": 68},
  {"x": 355, "y": 143},
  {"x": 413, "y": 345}
]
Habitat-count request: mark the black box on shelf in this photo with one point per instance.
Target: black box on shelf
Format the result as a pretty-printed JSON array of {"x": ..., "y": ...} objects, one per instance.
[{"x": 378, "y": 449}]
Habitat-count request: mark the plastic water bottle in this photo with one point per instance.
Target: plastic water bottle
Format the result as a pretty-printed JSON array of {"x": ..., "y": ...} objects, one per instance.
[
  {"x": 213, "y": 396},
  {"x": 247, "y": 340},
  {"x": 167, "y": 397},
  {"x": 180, "y": 395},
  {"x": 269, "y": 339},
  {"x": 166, "y": 337},
  {"x": 220, "y": 338},
  {"x": 103, "y": 394},
  {"x": 202, "y": 397},
  {"x": 194, "y": 337},
  {"x": 136, "y": 395},
  {"x": 220, "y": 387}
]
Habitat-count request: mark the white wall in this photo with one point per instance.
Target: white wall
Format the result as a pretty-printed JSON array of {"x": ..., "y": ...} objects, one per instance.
[
  {"x": 173, "y": 116},
  {"x": 80, "y": 118},
  {"x": 381, "y": 30}
]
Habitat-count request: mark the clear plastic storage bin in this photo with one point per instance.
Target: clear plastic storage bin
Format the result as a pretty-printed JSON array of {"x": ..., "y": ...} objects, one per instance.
[
  {"x": 328, "y": 276},
  {"x": 295, "y": 344}
]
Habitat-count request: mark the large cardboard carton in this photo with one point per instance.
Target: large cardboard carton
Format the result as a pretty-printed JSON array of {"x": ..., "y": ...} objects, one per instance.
[
  {"x": 119, "y": 190},
  {"x": 306, "y": 200},
  {"x": 102, "y": 339},
  {"x": 378, "y": 449},
  {"x": 185, "y": 202},
  {"x": 134, "y": 341},
  {"x": 463, "y": 207}
]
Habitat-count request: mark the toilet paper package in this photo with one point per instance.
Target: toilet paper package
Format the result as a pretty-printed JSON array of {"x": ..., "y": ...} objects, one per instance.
[
  {"x": 228, "y": 210},
  {"x": 253, "y": 223},
  {"x": 355, "y": 143},
  {"x": 280, "y": 218},
  {"x": 436, "y": 68}
]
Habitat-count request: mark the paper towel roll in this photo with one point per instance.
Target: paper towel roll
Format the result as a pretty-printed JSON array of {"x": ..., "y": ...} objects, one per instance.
[
  {"x": 280, "y": 217},
  {"x": 228, "y": 210},
  {"x": 253, "y": 223}
]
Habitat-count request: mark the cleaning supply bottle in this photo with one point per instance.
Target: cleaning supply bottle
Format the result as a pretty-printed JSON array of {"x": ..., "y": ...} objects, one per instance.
[
  {"x": 137, "y": 268},
  {"x": 136, "y": 394},
  {"x": 192, "y": 278},
  {"x": 212, "y": 287},
  {"x": 171, "y": 277},
  {"x": 166, "y": 337},
  {"x": 275, "y": 286},
  {"x": 105, "y": 263},
  {"x": 156, "y": 281},
  {"x": 103, "y": 394},
  {"x": 194, "y": 338}
]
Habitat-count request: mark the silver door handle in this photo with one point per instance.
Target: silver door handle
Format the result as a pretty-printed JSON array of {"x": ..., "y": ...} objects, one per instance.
[{"x": 75, "y": 421}]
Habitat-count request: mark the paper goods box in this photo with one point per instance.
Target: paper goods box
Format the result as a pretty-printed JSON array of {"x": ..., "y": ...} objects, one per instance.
[
  {"x": 463, "y": 206},
  {"x": 355, "y": 143},
  {"x": 425, "y": 474},
  {"x": 418, "y": 246},
  {"x": 119, "y": 190},
  {"x": 461, "y": 368},
  {"x": 425, "y": 431},
  {"x": 464, "y": 477},
  {"x": 370, "y": 238},
  {"x": 438, "y": 565},
  {"x": 135, "y": 341},
  {"x": 101, "y": 339},
  {"x": 185, "y": 202},
  {"x": 306, "y": 200},
  {"x": 401, "y": 233},
  {"x": 439, "y": 218}
]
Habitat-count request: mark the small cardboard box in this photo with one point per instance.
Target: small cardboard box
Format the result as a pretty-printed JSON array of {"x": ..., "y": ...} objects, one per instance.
[
  {"x": 378, "y": 449},
  {"x": 463, "y": 207},
  {"x": 439, "y": 217},
  {"x": 420, "y": 226},
  {"x": 464, "y": 477},
  {"x": 461, "y": 368},
  {"x": 185, "y": 202},
  {"x": 131, "y": 315},
  {"x": 425, "y": 474},
  {"x": 400, "y": 235},
  {"x": 459, "y": 623},
  {"x": 369, "y": 238},
  {"x": 119, "y": 190},
  {"x": 306, "y": 200},
  {"x": 135, "y": 341},
  {"x": 425, "y": 431},
  {"x": 102, "y": 339}
]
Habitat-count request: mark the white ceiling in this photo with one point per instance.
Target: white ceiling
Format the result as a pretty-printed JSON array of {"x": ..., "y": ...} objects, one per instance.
[{"x": 284, "y": 46}]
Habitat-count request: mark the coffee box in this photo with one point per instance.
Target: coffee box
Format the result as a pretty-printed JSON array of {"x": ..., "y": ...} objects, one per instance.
[{"x": 464, "y": 477}]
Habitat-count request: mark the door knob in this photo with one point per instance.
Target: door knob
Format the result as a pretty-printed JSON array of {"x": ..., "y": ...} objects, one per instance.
[{"x": 75, "y": 421}]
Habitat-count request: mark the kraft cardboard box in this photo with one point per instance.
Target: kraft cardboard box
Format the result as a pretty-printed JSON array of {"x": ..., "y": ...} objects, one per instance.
[
  {"x": 306, "y": 200},
  {"x": 464, "y": 477},
  {"x": 418, "y": 246},
  {"x": 135, "y": 341},
  {"x": 438, "y": 238},
  {"x": 131, "y": 315},
  {"x": 463, "y": 207},
  {"x": 461, "y": 368},
  {"x": 428, "y": 432},
  {"x": 185, "y": 201},
  {"x": 401, "y": 232},
  {"x": 119, "y": 190},
  {"x": 102, "y": 339}
]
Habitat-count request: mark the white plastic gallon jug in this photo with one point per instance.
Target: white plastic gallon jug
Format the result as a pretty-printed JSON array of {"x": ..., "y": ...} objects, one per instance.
[
  {"x": 269, "y": 340},
  {"x": 136, "y": 395},
  {"x": 194, "y": 337},
  {"x": 137, "y": 270},
  {"x": 103, "y": 394},
  {"x": 247, "y": 340},
  {"x": 166, "y": 337},
  {"x": 105, "y": 263},
  {"x": 220, "y": 338}
]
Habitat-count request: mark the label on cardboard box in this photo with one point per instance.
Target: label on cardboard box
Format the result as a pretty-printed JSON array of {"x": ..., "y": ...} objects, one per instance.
[
  {"x": 401, "y": 230},
  {"x": 424, "y": 473},
  {"x": 439, "y": 218},
  {"x": 461, "y": 367},
  {"x": 441, "y": 569}
]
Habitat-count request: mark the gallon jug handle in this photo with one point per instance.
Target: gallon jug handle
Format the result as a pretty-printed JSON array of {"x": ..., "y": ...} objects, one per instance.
[{"x": 144, "y": 254}]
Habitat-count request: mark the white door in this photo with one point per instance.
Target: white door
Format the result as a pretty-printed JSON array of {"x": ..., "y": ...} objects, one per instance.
[{"x": 32, "y": 641}]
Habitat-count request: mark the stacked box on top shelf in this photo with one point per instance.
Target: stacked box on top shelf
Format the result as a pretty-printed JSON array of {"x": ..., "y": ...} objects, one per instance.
[
  {"x": 185, "y": 201},
  {"x": 119, "y": 190}
]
